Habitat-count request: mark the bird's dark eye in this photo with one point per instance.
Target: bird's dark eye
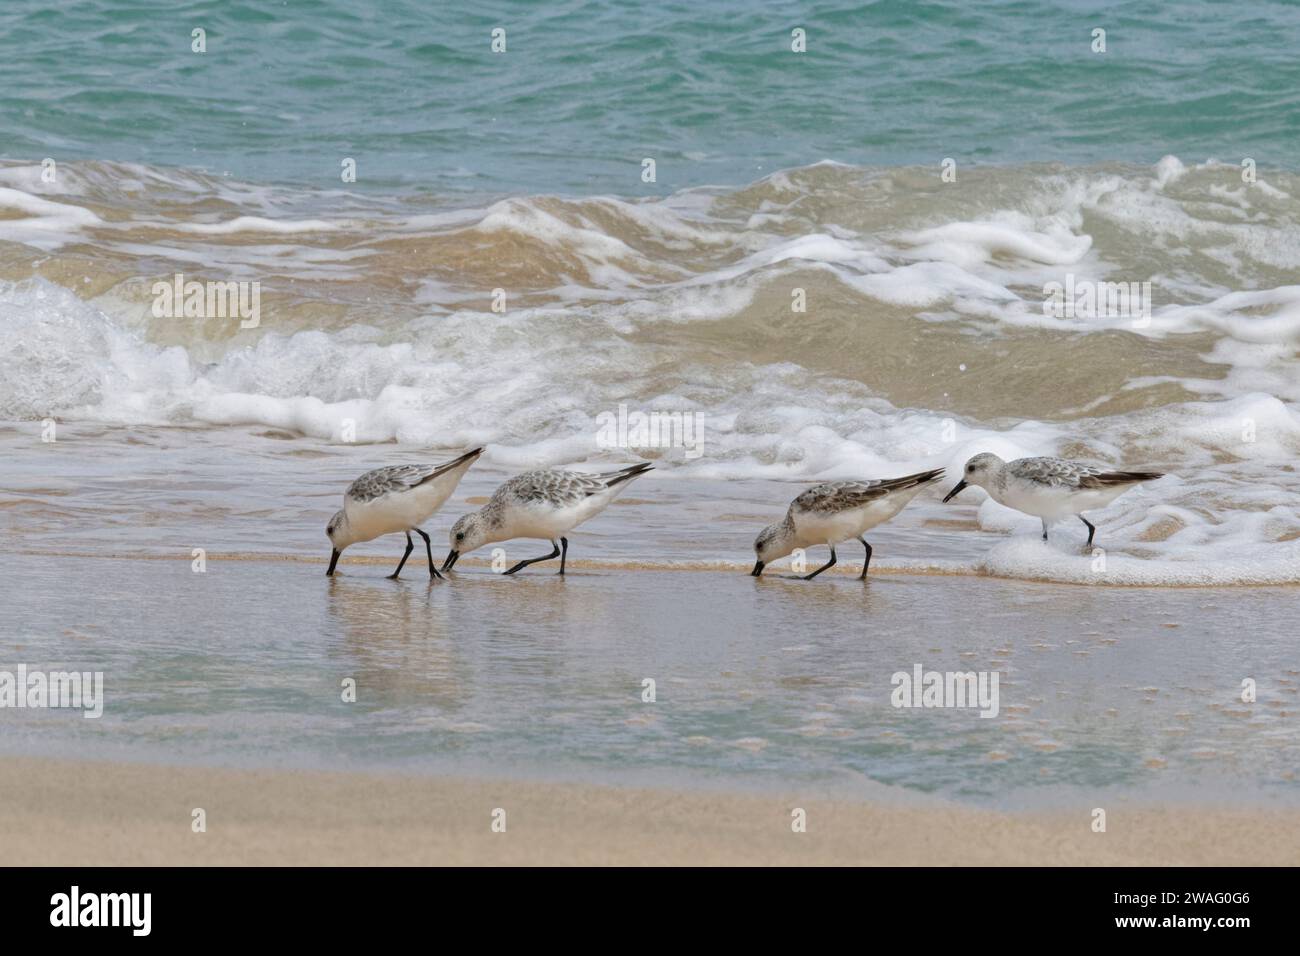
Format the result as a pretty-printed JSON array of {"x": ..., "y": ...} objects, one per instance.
[
  {"x": 969, "y": 469},
  {"x": 461, "y": 536}
]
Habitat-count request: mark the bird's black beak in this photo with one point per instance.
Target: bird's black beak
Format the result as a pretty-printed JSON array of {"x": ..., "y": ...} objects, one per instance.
[
  {"x": 956, "y": 488},
  {"x": 758, "y": 569},
  {"x": 452, "y": 556},
  {"x": 334, "y": 559}
]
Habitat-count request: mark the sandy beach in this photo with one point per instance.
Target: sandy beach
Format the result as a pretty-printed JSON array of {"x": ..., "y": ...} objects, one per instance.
[{"x": 92, "y": 813}]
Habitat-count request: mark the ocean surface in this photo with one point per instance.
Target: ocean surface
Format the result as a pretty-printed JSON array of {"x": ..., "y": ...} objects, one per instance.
[
  {"x": 586, "y": 90},
  {"x": 842, "y": 266}
]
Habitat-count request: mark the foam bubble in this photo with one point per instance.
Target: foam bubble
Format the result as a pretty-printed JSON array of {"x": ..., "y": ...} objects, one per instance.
[{"x": 1030, "y": 558}]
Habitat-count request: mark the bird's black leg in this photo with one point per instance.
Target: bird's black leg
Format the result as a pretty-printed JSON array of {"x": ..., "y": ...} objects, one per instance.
[
  {"x": 1044, "y": 521},
  {"x": 823, "y": 567},
  {"x": 428, "y": 549},
  {"x": 867, "y": 562},
  {"x": 545, "y": 557},
  {"x": 410, "y": 546},
  {"x": 564, "y": 552},
  {"x": 1091, "y": 530}
]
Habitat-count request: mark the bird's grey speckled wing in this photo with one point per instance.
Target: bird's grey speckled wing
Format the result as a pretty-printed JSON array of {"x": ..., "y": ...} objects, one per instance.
[
  {"x": 384, "y": 481},
  {"x": 1059, "y": 473},
  {"x": 835, "y": 496},
  {"x": 1053, "y": 472},
  {"x": 552, "y": 487}
]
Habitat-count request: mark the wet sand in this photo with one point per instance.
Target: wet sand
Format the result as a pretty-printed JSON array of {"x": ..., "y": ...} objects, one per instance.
[
  {"x": 100, "y": 814},
  {"x": 775, "y": 683},
  {"x": 222, "y": 685}
]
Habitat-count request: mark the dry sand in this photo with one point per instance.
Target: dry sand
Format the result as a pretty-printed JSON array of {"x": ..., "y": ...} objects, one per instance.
[{"x": 55, "y": 812}]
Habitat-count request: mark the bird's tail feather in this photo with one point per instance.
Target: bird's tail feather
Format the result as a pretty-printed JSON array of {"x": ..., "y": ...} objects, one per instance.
[
  {"x": 911, "y": 481},
  {"x": 613, "y": 478},
  {"x": 454, "y": 463},
  {"x": 1113, "y": 478}
]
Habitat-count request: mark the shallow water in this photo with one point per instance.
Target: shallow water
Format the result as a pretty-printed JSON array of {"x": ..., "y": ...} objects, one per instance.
[
  {"x": 775, "y": 682},
  {"x": 770, "y": 682},
  {"x": 241, "y": 491}
]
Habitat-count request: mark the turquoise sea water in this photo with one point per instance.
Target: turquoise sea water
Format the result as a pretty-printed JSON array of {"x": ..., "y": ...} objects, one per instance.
[{"x": 586, "y": 90}]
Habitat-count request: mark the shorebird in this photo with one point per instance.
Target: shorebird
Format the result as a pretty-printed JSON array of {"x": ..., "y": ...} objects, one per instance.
[
  {"x": 837, "y": 511},
  {"x": 1049, "y": 488},
  {"x": 396, "y": 498},
  {"x": 545, "y": 504}
]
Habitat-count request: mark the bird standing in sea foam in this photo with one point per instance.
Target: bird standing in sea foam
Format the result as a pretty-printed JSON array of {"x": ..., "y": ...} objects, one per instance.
[
  {"x": 397, "y": 498},
  {"x": 545, "y": 504},
  {"x": 838, "y": 511},
  {"x": 1049, "y": 488}
]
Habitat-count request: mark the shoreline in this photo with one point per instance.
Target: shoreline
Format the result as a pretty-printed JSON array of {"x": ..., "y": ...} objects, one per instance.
[
  {"x": 76, "y": 812},
  {"x": 847, "y": 570},
  {"x": 1110, "y": 694}
]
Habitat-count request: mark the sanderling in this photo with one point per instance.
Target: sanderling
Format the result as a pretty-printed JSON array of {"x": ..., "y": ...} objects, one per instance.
[
  {"x": 1049, "y": 488},
  {"x": 396, "y": 498},
  {"x": 545, "y": 504},
  {"x": 837, "y": 511}
]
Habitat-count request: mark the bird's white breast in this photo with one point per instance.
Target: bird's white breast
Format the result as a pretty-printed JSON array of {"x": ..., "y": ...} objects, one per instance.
[
  {"x": 398, "y": 511},
  {"x": 1055, "y": 501},
  {"x": 813, "y": 527},
  {"x": 538, "y": 519}
]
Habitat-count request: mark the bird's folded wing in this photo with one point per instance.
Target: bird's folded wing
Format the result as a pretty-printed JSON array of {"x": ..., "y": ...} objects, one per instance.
[
  {"x": 553, "y": 487},
  {"x": 1054, "y": 472},
  {"x": 839, "y": 495},
  {"x": 384, "y": 481}
]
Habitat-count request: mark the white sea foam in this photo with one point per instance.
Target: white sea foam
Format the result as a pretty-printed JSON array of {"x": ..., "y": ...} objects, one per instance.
[
  {"x": 1234, "y": 558},
  {"x": 256, "y": 224},
  {"x": 43, "y": 223}
]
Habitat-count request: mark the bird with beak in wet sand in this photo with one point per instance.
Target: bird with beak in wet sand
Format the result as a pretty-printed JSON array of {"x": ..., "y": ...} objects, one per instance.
[
  {"x": 393, "y": 499},
  {"x": 837, "y": 511}
]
